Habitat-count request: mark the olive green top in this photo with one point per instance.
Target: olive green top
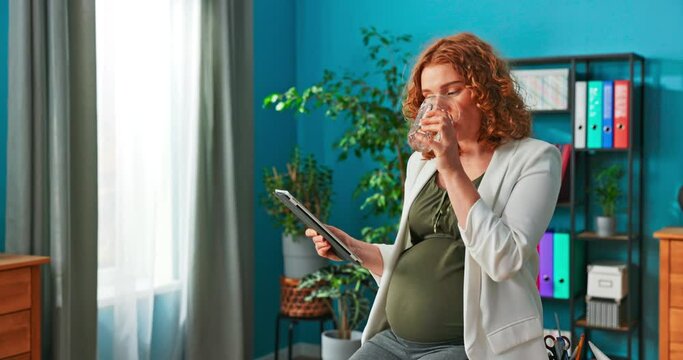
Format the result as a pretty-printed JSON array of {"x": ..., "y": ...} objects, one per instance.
[{"x": 425, "y": 299}]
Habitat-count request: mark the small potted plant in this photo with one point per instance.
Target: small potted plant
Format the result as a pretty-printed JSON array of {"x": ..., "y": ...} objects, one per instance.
[
  {"x": 311, "y": 183},
  {"x": 346, "y": 289},
  {"x": 608, "y": 192}
]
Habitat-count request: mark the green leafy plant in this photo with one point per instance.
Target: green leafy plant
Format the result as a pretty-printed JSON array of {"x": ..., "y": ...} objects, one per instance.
[
  {"x": 304, "y": 178},
  {"x": 607, "y": 188},
  {"x": 372, "y": 103},
  {"x": 348, "y": 287}
]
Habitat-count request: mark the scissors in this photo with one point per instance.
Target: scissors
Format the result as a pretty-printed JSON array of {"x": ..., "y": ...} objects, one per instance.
[{"x": 558, "y": 347}]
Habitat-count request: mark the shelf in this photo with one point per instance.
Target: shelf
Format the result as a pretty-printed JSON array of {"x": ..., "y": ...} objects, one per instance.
[
  {"x": 624, "y": 328},
  {"x": 575, "y": 215},
  {"x": 564, "y": 204},
  {"x": 616, "y": 357},
  {"x": 593, "y": 236},
  {"x": 579, "y": 58},
  {"x": 577, "y": 296},
  {"x": 553, "y": 298},
  {"x": 601, "y": 150},
  {"x": 549, "y": 112}
]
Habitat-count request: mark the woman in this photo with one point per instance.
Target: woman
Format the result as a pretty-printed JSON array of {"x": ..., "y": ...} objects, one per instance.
[{"x": 460, "y": 279}]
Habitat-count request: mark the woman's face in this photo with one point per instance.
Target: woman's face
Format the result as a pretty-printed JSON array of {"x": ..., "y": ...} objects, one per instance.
[{"x": 442, "y": 79}]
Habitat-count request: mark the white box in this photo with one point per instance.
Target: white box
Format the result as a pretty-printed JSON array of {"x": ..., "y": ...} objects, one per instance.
[
  {"x": 543, "y": 89},
  {"x": 607, "y": 280}
]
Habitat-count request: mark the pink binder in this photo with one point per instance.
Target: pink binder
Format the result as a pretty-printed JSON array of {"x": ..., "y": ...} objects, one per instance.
[{"x": 621, "y": 113}]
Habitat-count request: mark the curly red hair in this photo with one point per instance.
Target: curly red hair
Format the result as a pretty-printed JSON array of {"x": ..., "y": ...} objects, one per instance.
[{"x": 486, "y": 75}]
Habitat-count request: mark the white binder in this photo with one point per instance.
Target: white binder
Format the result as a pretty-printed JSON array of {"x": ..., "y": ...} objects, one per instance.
[{"x": 580, "y": 115}]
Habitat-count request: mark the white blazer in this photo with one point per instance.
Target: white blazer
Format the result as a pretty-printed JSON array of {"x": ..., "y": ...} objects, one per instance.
[{"x": 501, "y": 305}]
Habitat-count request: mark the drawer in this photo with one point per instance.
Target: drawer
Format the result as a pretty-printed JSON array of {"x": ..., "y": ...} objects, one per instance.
[
  {"x": 15, "y": 290},
  {"x": 15, "y": 333},
  {"x": 675, "y": 323},
  {"x": 26, "y": 356},
  {"x": 676, "y": 350},
  {"x": 676, "y": 257},
  {"x": 676, "y": 290}
]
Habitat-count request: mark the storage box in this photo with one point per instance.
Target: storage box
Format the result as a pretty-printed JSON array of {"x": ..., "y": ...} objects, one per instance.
[
  {"x": 607, "y": 280},
  {"x": 605, "y": 312}
]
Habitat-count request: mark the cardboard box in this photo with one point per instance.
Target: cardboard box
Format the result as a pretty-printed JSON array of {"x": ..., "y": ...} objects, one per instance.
[{"x": 607, "y": 280}]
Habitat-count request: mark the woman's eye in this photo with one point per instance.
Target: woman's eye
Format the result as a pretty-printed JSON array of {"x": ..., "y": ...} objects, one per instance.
[{"x": 453, "y": 92}]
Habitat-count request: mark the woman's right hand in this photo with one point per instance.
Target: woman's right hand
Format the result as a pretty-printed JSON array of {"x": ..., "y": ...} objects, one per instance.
[{"x": 323, "y": 247}]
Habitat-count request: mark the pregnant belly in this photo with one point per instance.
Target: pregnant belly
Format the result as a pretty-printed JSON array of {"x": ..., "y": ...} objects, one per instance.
[{"x": 424, "y": 300}]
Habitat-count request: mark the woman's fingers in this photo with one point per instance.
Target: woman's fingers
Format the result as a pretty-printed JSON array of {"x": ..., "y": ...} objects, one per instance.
[
  {"x": 322, "y": 246},
  {"x": 438, "y": 120},
  {"x": 310, "y": 232}
]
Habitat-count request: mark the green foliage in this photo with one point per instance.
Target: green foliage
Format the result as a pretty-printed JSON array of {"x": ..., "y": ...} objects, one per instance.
[
  {"x": 607, "y": 188},
  {"x": 348, "y": 286},
  {"x": 304, "y": 178},
  {"x": 371, "y": 102}
]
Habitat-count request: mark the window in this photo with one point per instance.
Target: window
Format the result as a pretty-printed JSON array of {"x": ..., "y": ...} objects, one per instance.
[{"x": 147, "y": 75}]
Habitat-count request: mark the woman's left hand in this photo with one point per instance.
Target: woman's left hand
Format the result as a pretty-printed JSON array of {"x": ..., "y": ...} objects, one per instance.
[{"x": 445, "y": 142}]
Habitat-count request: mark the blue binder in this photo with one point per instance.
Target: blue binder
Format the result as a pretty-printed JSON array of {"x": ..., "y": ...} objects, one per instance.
[{"x": 608, "y": 114}]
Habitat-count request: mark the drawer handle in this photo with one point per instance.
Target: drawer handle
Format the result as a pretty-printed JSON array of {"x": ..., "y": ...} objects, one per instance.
[{"x": 605, "y": 283}]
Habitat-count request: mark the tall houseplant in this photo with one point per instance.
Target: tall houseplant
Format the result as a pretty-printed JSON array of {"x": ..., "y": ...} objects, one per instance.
[
  {"x": 371, "y": 101},
  {"x": 346, "y": 290},
  {"x": 607, "y": 191},
  {"x": 311, "y": 183}
]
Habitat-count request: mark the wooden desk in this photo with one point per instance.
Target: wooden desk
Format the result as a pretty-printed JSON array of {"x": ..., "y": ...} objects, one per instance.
[
  {"x": 670, "y": 293},
  {"x": 20, "y": 306}
]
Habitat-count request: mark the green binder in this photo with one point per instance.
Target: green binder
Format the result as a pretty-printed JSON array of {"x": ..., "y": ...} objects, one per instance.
[
  {"x": 561, "y": 265},
  {"x": 594, "y": 121}
]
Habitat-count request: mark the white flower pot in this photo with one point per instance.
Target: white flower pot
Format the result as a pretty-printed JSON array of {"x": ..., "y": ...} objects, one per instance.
[
  {"x": 300, "y": 257},
  {"x": 334, "y": 348},
  {"x": 605, "y": 225}
]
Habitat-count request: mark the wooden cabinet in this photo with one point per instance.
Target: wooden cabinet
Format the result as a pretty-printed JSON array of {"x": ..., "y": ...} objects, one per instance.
[
  {"x": 20, "y": 306},
  {"x": 670, "y": 293}
]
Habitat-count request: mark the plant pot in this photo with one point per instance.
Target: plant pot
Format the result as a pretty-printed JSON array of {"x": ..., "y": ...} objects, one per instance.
[
  {"x": 334, "y": 348},
  {"x": 605, "y": 225},
  {"x": 300, "y": 257}
]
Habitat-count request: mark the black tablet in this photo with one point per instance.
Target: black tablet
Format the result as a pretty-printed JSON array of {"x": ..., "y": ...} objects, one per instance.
[{"x": 340, "y": 249}]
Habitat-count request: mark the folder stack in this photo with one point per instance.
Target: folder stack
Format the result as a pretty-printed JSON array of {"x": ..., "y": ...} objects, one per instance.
[
  {"x": 554, "y": 280},
  {"x": 601, "y": 114}
]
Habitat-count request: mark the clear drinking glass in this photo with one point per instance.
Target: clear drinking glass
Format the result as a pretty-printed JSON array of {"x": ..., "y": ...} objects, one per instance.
[{"x": 419, "y": 139}]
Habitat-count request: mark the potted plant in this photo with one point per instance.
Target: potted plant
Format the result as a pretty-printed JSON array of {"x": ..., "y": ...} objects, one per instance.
[
  {"x": 346, "y": 290},
  {"x": 371, "y": 101},
  {"x": 607, "y": 191},
  {"x": 311, "y": 183}
]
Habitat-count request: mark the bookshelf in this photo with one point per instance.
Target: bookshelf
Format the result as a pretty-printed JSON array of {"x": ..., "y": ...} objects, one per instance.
[{"x": 586, "y": 245}]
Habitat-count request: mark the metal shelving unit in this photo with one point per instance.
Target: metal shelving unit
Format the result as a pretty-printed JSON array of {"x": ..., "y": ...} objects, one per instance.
[{"x": 587, "y": 67}]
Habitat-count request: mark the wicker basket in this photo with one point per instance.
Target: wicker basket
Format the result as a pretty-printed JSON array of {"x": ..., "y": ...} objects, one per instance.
[{"x": 293, "y": 301}]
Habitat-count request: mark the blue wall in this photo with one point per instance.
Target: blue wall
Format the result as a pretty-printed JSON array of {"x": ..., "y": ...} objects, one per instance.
[
  {"x": 4, "y": 25},
  {"x": 325, "y": 35}
]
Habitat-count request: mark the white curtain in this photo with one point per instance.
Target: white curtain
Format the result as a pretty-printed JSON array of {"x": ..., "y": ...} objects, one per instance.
[{"x": 147, "y": 82}]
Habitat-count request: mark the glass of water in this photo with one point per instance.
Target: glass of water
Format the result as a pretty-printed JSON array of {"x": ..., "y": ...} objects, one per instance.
[{"x": 418, "y": 139}]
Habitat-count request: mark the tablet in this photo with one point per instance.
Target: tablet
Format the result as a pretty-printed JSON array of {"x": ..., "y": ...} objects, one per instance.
[{"x": 340, "y": 249}]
